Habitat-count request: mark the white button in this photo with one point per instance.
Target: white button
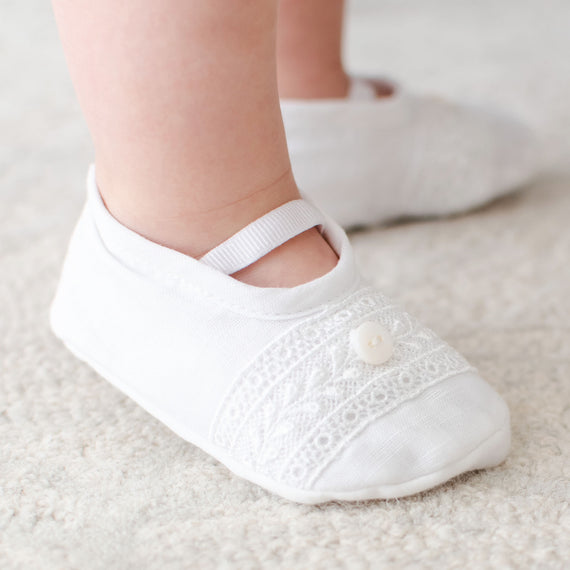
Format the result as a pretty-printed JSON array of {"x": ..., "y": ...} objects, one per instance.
[{"x": 372, "y": 343}]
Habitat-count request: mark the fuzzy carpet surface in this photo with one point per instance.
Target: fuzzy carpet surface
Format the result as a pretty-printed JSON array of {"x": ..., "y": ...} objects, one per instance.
[{"x": 88, "y": 480}]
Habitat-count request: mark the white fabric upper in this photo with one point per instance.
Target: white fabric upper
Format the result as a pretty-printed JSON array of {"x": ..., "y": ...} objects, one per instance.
[
  {"x": 266, "y": 380},
  {"x": 367, "y": 160}
]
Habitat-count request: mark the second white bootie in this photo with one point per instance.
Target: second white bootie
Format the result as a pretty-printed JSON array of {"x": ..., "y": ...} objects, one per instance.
[{"x": 367, "y": 160}]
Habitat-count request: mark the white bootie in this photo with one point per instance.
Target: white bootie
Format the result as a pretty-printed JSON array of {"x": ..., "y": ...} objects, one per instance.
[
  {"x": 367, "y": 160},
  {"x": 325, "y": 391}
]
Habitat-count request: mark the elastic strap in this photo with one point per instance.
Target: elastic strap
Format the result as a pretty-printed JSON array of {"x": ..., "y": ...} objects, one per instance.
[{"x": 263, "y": 235}]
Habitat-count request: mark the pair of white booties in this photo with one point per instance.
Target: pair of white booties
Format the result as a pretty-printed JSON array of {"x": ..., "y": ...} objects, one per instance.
[{"x": 324, "y": 391}]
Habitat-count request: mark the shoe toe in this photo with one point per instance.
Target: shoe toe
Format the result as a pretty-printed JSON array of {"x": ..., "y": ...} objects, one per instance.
[
  {"x": 458, "y": 425},
  {"x": 468, "y": 156},
  {"x": 518, "y": 155}
]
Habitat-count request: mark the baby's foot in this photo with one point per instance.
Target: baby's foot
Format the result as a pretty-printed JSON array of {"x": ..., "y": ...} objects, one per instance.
[{"x": 318, "y": 392}]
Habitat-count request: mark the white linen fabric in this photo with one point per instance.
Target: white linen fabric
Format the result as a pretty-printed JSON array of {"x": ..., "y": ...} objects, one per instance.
[
  {"x": 368, "y": 159},
  {"x": 282, "y": 398}
]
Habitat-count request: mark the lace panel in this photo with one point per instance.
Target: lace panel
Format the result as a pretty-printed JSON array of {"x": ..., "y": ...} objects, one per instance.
[{"x": 292, "y": 411}]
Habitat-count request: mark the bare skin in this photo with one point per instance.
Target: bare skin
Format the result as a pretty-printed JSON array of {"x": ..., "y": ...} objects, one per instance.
[
  {"x": 309, "y": 49},
  {"x": 181, "y": 158}
]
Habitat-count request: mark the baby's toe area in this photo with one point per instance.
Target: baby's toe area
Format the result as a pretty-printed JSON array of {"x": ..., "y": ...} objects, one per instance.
[{"x": 458, "y": 425}]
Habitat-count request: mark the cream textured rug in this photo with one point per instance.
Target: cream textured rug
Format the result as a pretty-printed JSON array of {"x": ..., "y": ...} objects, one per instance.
[{"x": 88, "y": 480}]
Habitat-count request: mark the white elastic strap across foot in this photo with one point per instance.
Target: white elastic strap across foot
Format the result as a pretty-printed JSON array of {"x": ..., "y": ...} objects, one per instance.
[{"x": 263, "y": 236}]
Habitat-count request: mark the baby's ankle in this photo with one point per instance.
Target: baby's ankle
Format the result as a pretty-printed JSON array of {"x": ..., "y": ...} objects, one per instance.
[
  {"x": 174, "y": 225},
  {"x": 332, "y": 83},
  {"x": 313, "y": 83}
]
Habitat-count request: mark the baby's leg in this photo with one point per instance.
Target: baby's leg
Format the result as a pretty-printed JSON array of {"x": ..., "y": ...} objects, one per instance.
[
  {"x": 309, "y": 49},
  {"x": 181, "y": 100}
]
